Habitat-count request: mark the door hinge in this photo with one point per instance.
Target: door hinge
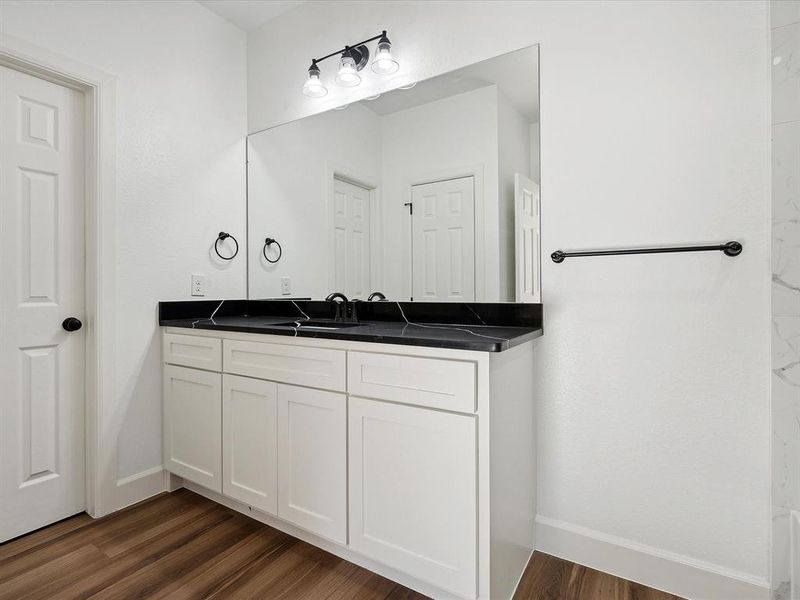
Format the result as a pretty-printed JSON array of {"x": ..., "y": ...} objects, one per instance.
[{"x": 410, "y": 206}]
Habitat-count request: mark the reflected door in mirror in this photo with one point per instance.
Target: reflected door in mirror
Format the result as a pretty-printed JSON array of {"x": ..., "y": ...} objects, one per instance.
[
  {"x": 351, "y": 222},
  {"x": 443, "y": 232},
  {"x": 527, "y": 228}
]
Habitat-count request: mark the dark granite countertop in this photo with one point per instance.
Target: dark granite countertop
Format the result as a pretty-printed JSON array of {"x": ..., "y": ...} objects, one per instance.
[{"x": 464, "y": 326}]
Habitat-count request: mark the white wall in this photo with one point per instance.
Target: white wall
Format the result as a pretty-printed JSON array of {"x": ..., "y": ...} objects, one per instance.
[
  {"x": 535, "y": 166},
  {"x": 180, "y": 106},
  {"x": 289, "y": 181},
  {"x": 654, "y": 419}
]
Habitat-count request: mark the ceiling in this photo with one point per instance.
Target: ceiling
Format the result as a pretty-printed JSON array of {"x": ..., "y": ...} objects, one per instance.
[{"x": 250, "y": 14}]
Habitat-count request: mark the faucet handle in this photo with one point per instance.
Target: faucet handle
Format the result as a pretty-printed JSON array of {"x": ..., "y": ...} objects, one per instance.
[{"x": 353, "y": 312}]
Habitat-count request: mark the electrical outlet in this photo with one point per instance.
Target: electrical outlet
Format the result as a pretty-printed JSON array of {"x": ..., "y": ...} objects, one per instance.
[
  {"x": 198, "y": 285},
  {"x": 286, "y": 286}
]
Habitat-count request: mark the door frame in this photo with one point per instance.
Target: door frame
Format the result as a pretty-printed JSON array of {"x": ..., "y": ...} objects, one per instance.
[
  {"x": 99, "y": 90},
  {"x": 362, "y": 180},
  {"x": 474, "y": 171}
]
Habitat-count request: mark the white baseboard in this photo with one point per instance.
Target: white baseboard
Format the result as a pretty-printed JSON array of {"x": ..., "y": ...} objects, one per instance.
[
  {"x": 137, "y": 487},
  {"x": 670, "y": 572}
]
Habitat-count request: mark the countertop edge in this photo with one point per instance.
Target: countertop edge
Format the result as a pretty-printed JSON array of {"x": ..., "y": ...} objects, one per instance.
[{"x": 476, "y": 345}]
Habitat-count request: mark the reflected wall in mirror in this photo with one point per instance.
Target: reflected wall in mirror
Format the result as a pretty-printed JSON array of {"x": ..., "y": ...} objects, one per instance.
[{"x": 429, "y": 193}]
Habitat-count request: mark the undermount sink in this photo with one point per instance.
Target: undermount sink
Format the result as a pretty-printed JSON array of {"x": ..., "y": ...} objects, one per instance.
[{"x": 318, "y": 324}]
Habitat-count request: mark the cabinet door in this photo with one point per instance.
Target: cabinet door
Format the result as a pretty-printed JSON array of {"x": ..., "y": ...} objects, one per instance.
[
  {"x": 193, "y": 425},
  {"x": 312, "y": 454},
  {"x": 413, "y": 494},
  {"x": 250, "y": 441}
]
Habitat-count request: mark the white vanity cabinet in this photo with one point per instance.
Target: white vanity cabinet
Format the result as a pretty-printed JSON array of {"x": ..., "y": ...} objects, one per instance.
[
  {"x": 250, "y": 441},
  {"x": 193, "y": 425},
  {"x": 417, "y": 463},
  {"x": 312, "y": 464},
  {"x": 413, "y": 501}
]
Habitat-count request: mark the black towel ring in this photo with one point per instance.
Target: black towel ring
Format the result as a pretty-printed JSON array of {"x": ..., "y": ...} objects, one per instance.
[
  {"x": 268, "y": 242},
  {"x": 222, "y": 237}
]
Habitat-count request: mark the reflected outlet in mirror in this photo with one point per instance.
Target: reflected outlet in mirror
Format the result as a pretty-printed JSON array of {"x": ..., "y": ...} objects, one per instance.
[{"x": 429, "y": 193}]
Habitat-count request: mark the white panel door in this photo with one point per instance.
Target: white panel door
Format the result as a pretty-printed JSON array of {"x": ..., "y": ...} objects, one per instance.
[
  {"x": 41, "y": 283},
  {"x": 250, "y": 441},
  {"x": 527, "y": 228},
  {"x": 443, "y": 240},
  {"x": 193, "y": 425},
  {"x": 413, "y": 494},
  {"x": 312, "y": 460},
  {"x": 351, "y": 230}
]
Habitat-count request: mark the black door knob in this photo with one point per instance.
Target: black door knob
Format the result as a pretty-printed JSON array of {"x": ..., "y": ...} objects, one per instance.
[{"x": 71, "y": 324}]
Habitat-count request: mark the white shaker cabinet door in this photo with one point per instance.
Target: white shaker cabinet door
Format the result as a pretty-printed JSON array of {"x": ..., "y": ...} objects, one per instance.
[
  {"x": 413, "y": 495},
  {"x": 193, "y": 425},
  {"x": 250, "y": 441},
  {"x": 312, "y": 467}
]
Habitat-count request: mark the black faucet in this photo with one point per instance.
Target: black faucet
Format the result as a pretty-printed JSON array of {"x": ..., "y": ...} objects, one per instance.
[
  {"x": 341, "y": 305},
  {"x": 378, "y": 295}
]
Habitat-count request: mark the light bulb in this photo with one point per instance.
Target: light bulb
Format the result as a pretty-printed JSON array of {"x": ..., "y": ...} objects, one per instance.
[
  {"x": 313, "y": 87},
  {"x": 348, "y": 75},
  {"x": 384, "y": 64}
]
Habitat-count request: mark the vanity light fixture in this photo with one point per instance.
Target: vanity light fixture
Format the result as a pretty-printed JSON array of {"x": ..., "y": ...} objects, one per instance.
[
  {"x": 384, "y": 64},
  {"x": 353, "y": 59},
  {"x": 313, "y": 87},
  {"x": 348, "y": 76}
]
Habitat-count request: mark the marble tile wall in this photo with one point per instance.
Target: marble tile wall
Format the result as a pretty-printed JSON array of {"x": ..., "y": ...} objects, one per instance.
[{"x": 785, "y": 23}]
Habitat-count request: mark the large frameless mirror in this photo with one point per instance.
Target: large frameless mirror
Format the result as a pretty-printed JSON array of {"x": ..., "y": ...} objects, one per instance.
[{"x": 427, "y": 193}]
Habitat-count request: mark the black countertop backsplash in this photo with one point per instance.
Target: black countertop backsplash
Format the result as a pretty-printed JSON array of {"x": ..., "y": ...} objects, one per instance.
[{"x": 488, "y": 327}]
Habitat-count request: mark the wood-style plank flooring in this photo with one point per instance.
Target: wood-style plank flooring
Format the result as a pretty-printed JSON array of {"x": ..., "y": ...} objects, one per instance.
[{"x": 183, "y": 546}]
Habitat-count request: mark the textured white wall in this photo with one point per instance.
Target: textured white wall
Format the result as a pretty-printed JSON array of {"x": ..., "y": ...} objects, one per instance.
[
  {"x": 181, "y": 110},
  {"x": 653, "y": 375}
]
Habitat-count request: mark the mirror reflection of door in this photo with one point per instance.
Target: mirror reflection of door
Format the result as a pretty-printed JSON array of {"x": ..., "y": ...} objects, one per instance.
[
  {"x": 527, "y": 231},
  {"x": 351, "y": 222},
  {"x": 443, "y": 241}
]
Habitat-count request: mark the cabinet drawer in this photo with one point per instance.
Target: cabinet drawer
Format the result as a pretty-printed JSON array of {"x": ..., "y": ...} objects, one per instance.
[
  {"x": 438, "y": 383},
  {"x": 313, "y": 367},
  {"x": 193, "y": 351}
]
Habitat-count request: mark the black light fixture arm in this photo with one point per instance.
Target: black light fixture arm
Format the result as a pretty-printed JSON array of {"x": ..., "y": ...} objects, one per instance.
[
  {"x": 382, "y": 34},
  {"x": 732, "y": 248}
]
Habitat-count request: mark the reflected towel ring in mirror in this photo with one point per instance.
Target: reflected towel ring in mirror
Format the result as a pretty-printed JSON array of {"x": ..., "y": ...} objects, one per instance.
[
  {"x": 268, "y": 242},
  {"x": 221, "y": 238}
]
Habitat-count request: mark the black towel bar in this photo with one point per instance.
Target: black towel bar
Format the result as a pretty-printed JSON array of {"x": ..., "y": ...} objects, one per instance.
[{"x": 730, "y": 249}]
